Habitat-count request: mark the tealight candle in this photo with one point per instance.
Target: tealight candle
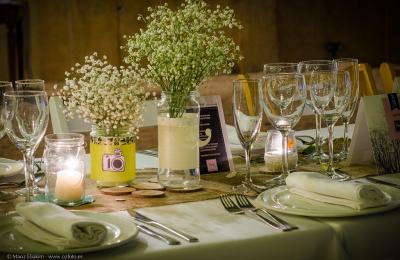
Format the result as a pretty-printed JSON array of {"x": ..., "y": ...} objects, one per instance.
[
  {"x": 69, "y": 185},
  {"x": 273, "y": 151},
  {"x": 64, "y": 168}
]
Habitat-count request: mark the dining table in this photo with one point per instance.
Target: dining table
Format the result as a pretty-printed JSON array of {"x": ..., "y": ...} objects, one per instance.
[{"x": 224, "y": 235}]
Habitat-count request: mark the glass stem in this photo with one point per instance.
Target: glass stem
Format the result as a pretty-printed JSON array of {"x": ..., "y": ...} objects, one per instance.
[
  {"x": 345, "y": 135},
  {"x": 330, "y": 165},
  {"x": 285, "y": 164},
  {"x": 317, "y": 134},
  {"x": 29, "y": 174},
  {"x": 247, "y": 152}
]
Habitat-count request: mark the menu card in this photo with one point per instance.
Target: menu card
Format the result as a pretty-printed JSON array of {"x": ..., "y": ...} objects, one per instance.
[
  {"x": 215, "y": 155},
  {"x": 377, "y": 133}
]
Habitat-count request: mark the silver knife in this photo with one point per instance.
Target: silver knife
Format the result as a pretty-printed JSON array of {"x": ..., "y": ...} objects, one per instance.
[
  {"x": 141, "y": 218},
  {"x": 167, "y": 239},
  {"x": 383, "y": 182}
]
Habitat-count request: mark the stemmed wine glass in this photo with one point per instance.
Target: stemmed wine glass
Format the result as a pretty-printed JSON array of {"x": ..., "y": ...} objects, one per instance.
[
  {"x": 247, "y": 117},
  {"x": 282, "y": 96},
  {"x": 4, "y": 86},
  {"x": 306, "y": 68},
  {"x": 330, "y": 92},
  {"x": 26, "y": 116},
  {"x": 351, "y": 66}
]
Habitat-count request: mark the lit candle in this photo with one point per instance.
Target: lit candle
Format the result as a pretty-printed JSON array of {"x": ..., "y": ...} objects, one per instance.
[
  {"x": 273, "y": 161},
  {"x": 273, "y": 151},
  {"x": 69, "y": 185}
]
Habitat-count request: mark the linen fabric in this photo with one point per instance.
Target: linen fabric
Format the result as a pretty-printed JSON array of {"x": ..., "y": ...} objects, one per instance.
[
  {"x": 51, "y": 224},
  {"x": 321, "y": 188}
]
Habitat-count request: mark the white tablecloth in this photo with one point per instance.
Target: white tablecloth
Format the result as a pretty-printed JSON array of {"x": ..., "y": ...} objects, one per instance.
[{"x": 224, "y": 235}]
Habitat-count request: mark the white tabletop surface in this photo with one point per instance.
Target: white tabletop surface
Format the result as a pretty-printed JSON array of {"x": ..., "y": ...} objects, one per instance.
[{"x": 224, "y": 235}]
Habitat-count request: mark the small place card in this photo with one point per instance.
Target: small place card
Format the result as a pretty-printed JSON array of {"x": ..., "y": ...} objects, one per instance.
[
  {"x": 215, "y": 155},
  {"x": 377, "y": 133}
]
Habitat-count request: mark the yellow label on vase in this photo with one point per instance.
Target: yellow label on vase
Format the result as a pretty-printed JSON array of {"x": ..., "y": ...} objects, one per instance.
[{"x": 112, "y": 161}]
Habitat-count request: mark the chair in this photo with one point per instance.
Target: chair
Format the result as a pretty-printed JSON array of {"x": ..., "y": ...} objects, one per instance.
[
  {"x": 388, "y": 72},
  {"x": 367, "y": 83},
  {"x": 61, "y": 124}
]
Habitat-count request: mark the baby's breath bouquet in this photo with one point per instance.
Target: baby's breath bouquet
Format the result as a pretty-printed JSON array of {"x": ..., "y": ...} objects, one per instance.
[
  {"x": 107, "y": 96},
  {"x": 181, "y": 48}
]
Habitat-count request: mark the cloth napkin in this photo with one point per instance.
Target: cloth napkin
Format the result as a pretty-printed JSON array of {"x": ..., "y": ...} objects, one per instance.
[
  {"x": 321, "y": 188},
  {"x": 55, "y": 226}
]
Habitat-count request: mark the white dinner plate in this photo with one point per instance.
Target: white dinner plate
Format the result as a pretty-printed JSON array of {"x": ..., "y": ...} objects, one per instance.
[
  {"x": 10, "y": 167},
  {"x": 120, "y": 230},
  {"x": 280, "y": 199}
]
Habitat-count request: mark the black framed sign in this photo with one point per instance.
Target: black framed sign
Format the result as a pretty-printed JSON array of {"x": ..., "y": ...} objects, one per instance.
[{"x": 215, "y": 154}]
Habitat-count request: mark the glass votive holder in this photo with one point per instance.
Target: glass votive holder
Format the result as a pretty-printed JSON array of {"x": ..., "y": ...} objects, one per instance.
[
  {"x": 273, "y": 151},
  {"x": 64, "y": 168}
]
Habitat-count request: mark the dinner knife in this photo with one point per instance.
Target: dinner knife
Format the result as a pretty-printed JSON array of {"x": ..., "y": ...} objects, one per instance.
[
  {"x": 167, "y": 239},
  {"x": 141, "y": 218},
  {"x": 383, "y": 182}
]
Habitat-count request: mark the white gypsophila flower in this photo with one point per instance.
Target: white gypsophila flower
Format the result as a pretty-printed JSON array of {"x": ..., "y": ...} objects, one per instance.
[
  {"x": 180, "y": 49},
  {"x": 104, "y": 95}
]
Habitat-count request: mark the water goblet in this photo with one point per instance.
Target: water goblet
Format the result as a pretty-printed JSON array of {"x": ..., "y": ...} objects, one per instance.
[
  {"x": 351, "y": 66},
  {"x": 330, "y": 92},
  {"x": 30, "y": 84},
  {"x": 282, "y": 96},
  {"x": 247, "y": 116},
  {"x": 26, "y": 116},
  {"x": 306, "y": 68}
]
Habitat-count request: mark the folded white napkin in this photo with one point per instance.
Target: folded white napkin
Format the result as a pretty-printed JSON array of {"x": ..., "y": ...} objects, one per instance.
[
  {"x": 55, "y": 226},
  {"x": 319, "y": 187}
]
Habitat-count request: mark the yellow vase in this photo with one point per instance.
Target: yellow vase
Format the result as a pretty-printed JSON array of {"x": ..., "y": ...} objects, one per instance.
[{"x": 112, "y": 157}]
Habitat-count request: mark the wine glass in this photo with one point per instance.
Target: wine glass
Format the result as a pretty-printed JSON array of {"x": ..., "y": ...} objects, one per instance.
[
  {"x": 4, "y": 86},
  {"x": 282, "y": 96},
  {"x": 30, "y": 84},
  {"x": 280, "y": 67},
  {"x": 306, "y": 68},
  {"x": 330, "y": 92},
  {"x": 247, "y": 117},
  {"x": 351, "y": 66},
  {"x": 26, "y": 116}
]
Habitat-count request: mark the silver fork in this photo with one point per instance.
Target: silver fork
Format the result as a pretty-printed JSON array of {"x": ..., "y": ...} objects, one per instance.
[
  {"x": 231, "y": 207},
  {"x": 244, "y": 203}
]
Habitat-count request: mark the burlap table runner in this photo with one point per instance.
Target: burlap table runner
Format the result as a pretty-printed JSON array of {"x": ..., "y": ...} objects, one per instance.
[{"x": 212, "y": 184}]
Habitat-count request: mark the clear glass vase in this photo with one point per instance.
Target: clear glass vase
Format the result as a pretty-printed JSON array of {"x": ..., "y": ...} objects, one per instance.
[
  {"x": 112, "y": 157},
  {"x": 178, "y": 140}
]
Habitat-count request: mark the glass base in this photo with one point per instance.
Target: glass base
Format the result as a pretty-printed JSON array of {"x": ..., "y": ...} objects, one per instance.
[
  {"x": 337, "y": 175},
  {"x": 34, "y": 191},
  {"x": 179, "y": 179},
  {"x": 67, "y": 203}
]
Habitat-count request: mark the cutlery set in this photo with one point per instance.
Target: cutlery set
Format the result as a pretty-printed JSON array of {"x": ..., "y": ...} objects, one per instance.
[
  {"x": 161, "y": 236},
  {"x": 244, "y": 206}
]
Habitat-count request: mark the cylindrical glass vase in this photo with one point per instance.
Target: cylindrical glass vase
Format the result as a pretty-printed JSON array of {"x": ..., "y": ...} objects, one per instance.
[
  {"x": 65, "y": 168},
  {"x": 112, "y": 157},
  {"x": 274, "y": 150},
  {"x": 178, "y": 140}
]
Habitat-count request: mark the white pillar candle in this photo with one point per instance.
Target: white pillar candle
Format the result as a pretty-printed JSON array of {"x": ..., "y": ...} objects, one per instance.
[{"x": 69, "y": 185}]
